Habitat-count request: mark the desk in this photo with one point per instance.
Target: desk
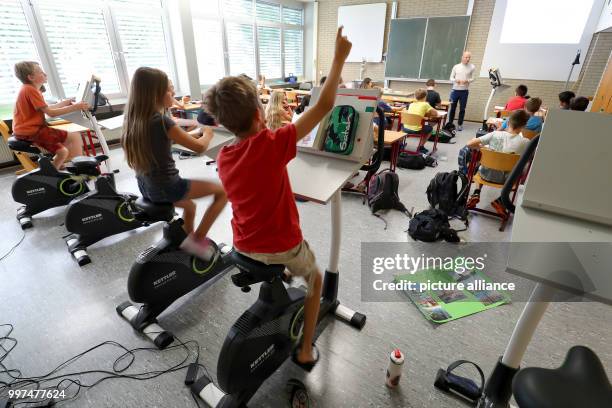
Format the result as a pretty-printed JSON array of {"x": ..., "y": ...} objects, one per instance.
[
  {"x": 189, "y": 109},
  {"x": 438, "y": 121},
  {"x": 397, "y": 99},
  {"x": 499, "y": 109},
  {"x": 393, "y": 139}
]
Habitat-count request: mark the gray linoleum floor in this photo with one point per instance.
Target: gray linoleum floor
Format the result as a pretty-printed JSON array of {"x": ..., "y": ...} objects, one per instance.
[{"x": 60, "y": 310}]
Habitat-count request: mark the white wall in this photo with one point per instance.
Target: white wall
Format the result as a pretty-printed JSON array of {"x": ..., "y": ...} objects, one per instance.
[
  {"x": 549, "y": 62},
  {"x": 310, "y": 40},
  {"x": 605, "y": 20}
]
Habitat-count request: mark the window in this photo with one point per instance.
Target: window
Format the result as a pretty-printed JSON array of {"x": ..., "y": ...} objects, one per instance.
[
  {"x": 240, "y": 49},
  {"x": 238, "y": 9},
  {"x": 16, "y": 45},
  {"x": 142, "y": 40},
  {"x": 293, "y": 16},
  {"x": 209, "y": 50},
  {"x": 268, "y": 12},
  {"x": 294, "y": 51},
  {"x": 269, "y": 39},
  {"x": 80, "y": 46}
]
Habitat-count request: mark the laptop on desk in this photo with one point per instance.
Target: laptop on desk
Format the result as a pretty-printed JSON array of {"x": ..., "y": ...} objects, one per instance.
[{"x": 571, "y": 173}]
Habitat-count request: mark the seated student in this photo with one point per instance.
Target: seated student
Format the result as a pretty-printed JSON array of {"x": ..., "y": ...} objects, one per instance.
[
  {"x": 579, "y": 103},
  {"x": 564, "y": 99},
  {"x": 366, "y": 83},
  {"x": 505, "y": 141},
  {"x": 303, "y": 105},
  {"x": 278, "y": 113},
  {"x": 532, "y": 106},
  {"x": 29, "y": 116},
  {"x": 517, "y": 101},
  {"x": 433, "y": 97},
  {"x": 423, "y": 109},
  {"x": 265, "y": 219}
]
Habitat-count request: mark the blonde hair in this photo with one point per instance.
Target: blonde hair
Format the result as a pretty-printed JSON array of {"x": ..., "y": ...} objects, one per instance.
[
  {"x": 420, "y": 94},
  {"x": 146, "y": 98},
  {"x": 275, "y": 110},
  {"x": 25, "y": 68},
  {"x": 233, "y": 102}
]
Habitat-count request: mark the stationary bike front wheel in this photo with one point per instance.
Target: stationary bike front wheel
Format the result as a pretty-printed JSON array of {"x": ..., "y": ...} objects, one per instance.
[{"x": 296, "y": 324}]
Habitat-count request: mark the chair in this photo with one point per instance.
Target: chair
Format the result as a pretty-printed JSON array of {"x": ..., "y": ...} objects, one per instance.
[
  {"x": 529, "y": 134},
  {"x": 504, "y": 113},
  {"x": 495, "y": 161},
  {"x": 412, "y": 119},
  {"x": 291, "y": 96},
  {"x": 23, "y": 157}
]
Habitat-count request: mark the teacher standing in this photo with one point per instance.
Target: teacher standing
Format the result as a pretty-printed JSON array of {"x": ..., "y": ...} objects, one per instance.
[{"x": 461, "y": 77}]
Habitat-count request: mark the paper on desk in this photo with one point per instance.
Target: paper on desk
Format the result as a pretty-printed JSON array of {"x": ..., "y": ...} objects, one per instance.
[{"x": 112, "y": 123}]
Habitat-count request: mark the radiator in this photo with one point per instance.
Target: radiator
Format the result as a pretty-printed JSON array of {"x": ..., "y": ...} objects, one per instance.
[{"x": 6, "y": 155}]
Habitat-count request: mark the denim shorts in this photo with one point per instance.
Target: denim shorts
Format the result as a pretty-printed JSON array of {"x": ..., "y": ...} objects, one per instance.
[{"x": 168, "y": 192}]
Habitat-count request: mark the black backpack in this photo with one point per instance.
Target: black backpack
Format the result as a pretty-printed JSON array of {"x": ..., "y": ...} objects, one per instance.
[
  {"x": 382, "y": 193},
  {"x": 431, "y": 225},
  {"x": 415, "y": 161},
  {"x": 444, "y": 136},
  {"x": 442, "y": 194}
]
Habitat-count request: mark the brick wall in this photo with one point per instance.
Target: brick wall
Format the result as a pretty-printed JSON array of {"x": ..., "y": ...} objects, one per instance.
[{"x": 592, "y": 68}]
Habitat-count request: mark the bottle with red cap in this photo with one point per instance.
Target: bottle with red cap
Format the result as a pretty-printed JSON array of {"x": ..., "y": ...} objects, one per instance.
[{"x": 394, "y": 369}]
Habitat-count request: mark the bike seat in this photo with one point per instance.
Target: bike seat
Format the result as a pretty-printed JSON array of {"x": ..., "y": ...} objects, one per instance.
[
  {"x": 580, "y": 381},
  {"x": 22, "y": 146},
  {"x": 252, "y": 271},
  {"x": 150, "y": 211},
  {"x": 86, "y": 165}
]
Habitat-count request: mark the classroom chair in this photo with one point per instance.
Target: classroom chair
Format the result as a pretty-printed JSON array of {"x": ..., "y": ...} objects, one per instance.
[
  {"x": 23, "y": 158},
  {"x": 504, "y": 113},
  {"x": 413, "y": 120},
  {"x": 291, "y": 96},
  {"x": 529, "y": 134},
  {"x": 496, "y": 161}
]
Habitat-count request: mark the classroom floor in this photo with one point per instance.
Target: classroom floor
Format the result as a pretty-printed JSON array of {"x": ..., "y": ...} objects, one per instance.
[{"x": 60, "y": 310}]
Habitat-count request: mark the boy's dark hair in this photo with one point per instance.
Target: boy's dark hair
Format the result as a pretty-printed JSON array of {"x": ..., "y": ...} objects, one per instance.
[
  {"x": 365, "y": 83},
  {"x": 566, "y": 96},
  {"x": 431, "y": 82},
  {"x": 521, "y": 90},
  {"x": 322, "y": 80},
  {"x": 518, "y": 119},
  {"x": 533, "y": 105},
  {"x": 579, "y": 103},
  {"x": 233, "y": 102}
]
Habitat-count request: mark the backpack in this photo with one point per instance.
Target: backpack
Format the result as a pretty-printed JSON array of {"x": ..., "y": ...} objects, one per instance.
[
  {"x": 442, "y": 194},
  {"x": 382, "y": 193},
  {"x": 341, "y": 128},
  {"x": 450, "y": 128},
  {"x": 431, "y": 225},
  {"x": 415, "y": 161},
  {"x": 444, "y": 136}
]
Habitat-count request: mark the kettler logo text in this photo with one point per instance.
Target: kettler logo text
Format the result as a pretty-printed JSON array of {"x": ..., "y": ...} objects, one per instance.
[
  {"x": 92, "y": 218},
  {"x": 262, "y": 358},
  {"x": 164, "y": 279},
  {"x": 40, "y": 190}
]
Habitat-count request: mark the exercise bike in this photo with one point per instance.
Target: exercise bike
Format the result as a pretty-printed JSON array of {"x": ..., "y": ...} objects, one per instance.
[
  {"x": 103, "y": 212},
  {"x": 163, "y": 273},
  {"x": 46, "y": 187}
]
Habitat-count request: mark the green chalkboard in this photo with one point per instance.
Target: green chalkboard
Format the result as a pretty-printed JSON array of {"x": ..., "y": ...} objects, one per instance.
[
  {"x": 443, "y": 39},
  {"x": 444, "y": 45},
  {"x": 405, "y": 46}
]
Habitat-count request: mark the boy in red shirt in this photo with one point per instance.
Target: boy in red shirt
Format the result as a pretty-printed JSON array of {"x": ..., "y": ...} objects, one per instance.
[
  {"x": 29, "y": 116},
  {"x": 518, "y": 101},
  {"x": 253, "y": 171}
]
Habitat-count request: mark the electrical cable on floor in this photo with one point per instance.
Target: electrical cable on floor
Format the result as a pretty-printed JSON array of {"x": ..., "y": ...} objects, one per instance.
[
  {"x": 10, "y": 251},
  {"x": 71, "y": 384}
]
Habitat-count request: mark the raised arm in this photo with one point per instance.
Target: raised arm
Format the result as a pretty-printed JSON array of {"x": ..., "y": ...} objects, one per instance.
[{"x": 310, "y": 118}]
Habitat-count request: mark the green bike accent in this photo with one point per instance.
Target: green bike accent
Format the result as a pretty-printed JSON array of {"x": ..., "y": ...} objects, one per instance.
[
  {"x": 120, "y": 209},
  {"x": 207, "y": 269},
  {"x": 296, "y": 317},
  {"x": 66, "y": 193}
]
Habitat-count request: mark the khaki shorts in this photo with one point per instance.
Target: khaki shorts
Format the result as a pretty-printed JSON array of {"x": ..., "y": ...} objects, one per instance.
[{"x": 299, "y": 260}]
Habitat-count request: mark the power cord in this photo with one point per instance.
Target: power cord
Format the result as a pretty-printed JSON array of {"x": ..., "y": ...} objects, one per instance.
[{"x": 10, "y": 251}]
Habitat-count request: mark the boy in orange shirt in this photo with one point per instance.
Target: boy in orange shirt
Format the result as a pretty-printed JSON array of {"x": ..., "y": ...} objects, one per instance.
[
  {"x": 265, "y": 221},
  {"x": 29, "y": 116}
]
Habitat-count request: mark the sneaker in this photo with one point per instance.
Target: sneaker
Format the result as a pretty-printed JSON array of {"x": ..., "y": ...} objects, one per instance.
[
  {"x": 499, "y": 208},
  {"x": 459, "y": 128},
  {"x": 202, "y": 249},
  {"x": 473, "y": 200}
]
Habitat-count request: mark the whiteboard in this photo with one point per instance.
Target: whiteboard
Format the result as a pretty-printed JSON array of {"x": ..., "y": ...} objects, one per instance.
[{"x": 364, "y": 25}]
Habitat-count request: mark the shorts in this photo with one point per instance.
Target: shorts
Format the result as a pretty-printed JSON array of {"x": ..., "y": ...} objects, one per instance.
[
  {"x": 299, "y": 260},
  {"x": 164, "y": 193},
  {"x": 48, "y": 138}
]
